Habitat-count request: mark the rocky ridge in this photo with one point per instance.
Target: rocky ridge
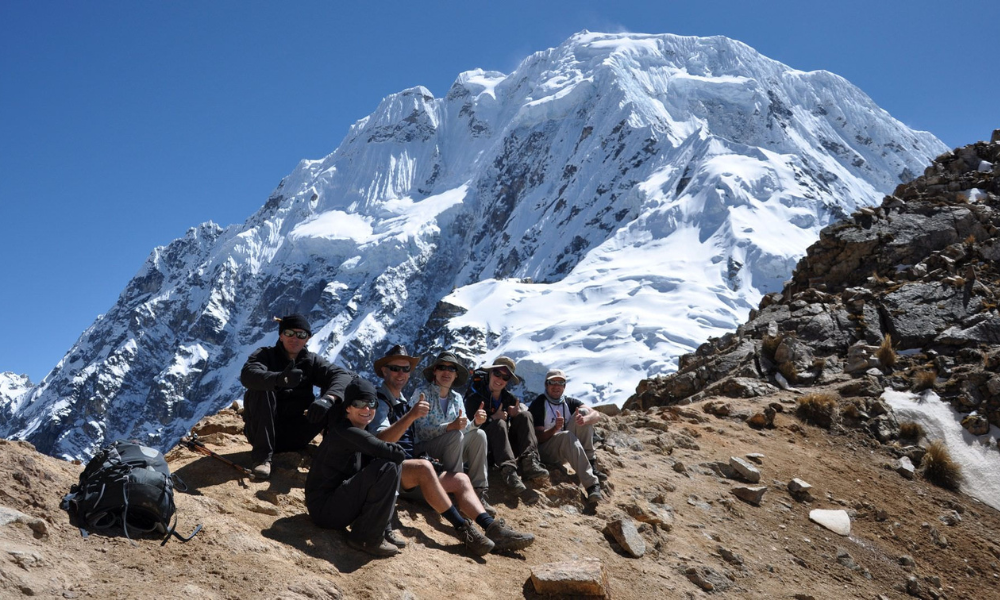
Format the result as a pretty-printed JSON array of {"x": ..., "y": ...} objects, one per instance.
[{"x": 901, "y": 296}]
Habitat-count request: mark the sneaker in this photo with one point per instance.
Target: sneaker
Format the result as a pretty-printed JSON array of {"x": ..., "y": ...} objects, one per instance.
[
  {"x": 505, "y": 538},
  {"x": 532, "y": 467},
  {"x": 600, "y": 475},
  {"x": 393, "y": 537},
  {"x": 474, "y": 540},
  {"x": 263, "y": 470},
  {"x": 513, "y": 481},
  {"x": 594, "y": 494},
  {"x": 481, "y": 494},
  {"x": 380, "y": 549}
]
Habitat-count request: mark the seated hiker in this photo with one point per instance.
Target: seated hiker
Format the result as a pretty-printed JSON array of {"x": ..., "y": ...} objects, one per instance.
[
  {"x": 354, "y": 475},
  {"x": 508, "y": 425},
  {"x": 279, "y": 381},
  {"x": 565, "y": 428},
  {"x": 444, "y": 432},
  {"x": 394, "y": 423}
]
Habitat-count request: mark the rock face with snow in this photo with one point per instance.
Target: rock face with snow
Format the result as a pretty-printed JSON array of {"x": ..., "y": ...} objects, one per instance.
[
  {"x": 606, "y": 207},
  {"x": 12, "y": 388},
  {"x": 901, "y": 296}
]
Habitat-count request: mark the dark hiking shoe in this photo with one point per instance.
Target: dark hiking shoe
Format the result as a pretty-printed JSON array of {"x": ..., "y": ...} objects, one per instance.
[
  {"x": 474, "y": 540},
  {"x": 513, "y": 481},
  {"x": 380, "y": 548},
  {"x": 393, "y": 537},
  {"x": 263, "y": 470},
  {"x": 481, "y": 494},
  {"x": 504, "y": 538},
  {"x": 532, "y": 467},
  {"x": 594, "y": 494}
]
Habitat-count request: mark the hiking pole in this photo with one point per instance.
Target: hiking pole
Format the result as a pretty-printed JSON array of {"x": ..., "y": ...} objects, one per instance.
[{"x": 196, "y": 445}]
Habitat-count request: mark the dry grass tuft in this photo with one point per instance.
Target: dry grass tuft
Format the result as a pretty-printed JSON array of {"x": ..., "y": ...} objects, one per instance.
[
  {"x": 886, "y": 353},
  {"x": 819, "y": 409},
  {"x": 769, "y": 345},
  {"x": 940, "y": 469},
  {"x": 911, "y": 431},
  {"x": 924, "y": 380}
]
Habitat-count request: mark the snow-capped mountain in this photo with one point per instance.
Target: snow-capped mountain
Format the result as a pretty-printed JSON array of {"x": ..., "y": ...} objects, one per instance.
[
  {"x": 12, "y": 388},
  {"x": 606, "y": 207}
]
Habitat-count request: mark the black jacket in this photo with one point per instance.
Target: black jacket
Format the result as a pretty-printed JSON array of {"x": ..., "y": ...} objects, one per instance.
[
  {"x": 473, "y": 397},
  {"x": 345, "y": 450},
  {"x": 261, "y": 371}
]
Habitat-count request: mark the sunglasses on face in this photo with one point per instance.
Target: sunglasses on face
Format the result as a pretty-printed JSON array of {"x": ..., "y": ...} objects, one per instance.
[
  {"x": 364, "y": 403},
  {"x": 451, "y": 368},
  {"x": 398, "y": 368},
  {"x": 556, "y": 383},
  {"x": 292, "y": 333},
  {"x": 501, "y": 374}
]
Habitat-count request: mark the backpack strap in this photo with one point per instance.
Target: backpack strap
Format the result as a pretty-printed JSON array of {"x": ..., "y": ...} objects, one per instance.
[{"x": 172, "y": 531}]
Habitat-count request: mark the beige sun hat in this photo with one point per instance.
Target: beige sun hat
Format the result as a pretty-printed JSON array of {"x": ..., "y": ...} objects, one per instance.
[{"x": 503, "y": 362}]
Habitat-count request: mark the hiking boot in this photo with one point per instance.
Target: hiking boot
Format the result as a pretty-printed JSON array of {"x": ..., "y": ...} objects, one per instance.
[
  {"x": 600, "y": 475},
  {"x": 594, "y": 494},
  {"x": 481, "y": 494},
  {"x": 380, "y": 548},
  {"x": 513, "y": 481},
  {"x": 263, "y": 470},
  {"x": 474, "y": 540},
  {"x": 505, "y": 538},
  {"x": 532, "y": 467},
  {"x": 393, "y": 537}
]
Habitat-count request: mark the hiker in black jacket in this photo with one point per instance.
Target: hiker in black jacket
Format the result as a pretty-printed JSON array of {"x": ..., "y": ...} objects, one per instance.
[
  {"x": 509, "y": 428},
  {"x": 355, "y": 476},
  {"x": 279, "y": 381}
]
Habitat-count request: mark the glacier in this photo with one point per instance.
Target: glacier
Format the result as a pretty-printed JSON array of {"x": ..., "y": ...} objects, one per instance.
[{"x": 605, "y": 208}]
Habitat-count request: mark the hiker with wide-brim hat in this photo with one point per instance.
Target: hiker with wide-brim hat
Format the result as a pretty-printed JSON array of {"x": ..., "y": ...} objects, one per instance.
[
  {"x": 450, "y": 493},
  {"x": 509, "y": 427},
  {"x": 447, "y": 432}
]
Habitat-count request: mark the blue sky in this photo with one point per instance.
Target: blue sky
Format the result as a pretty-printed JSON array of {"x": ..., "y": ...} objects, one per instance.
[{"x": 123, "y": 124}]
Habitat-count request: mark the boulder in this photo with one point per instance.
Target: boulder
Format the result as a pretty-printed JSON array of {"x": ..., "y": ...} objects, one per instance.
[
  {"x": 627, "y": 536},
  {"x": 746, "y": 471},
  {"x": 584, "y": 577},
  {"x": 753, "y": 495}
]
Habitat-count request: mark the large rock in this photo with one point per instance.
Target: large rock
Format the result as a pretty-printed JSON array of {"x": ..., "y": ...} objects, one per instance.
[
  {"x": 836, "y": 521},
  {"x": 627, "y": 536},
  {"x": 584, "y": 577}
]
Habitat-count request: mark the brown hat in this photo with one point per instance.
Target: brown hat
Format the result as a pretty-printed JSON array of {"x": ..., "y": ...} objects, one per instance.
[
  {"x": 503, "y": 362},
  {"x": 397, "y": 351},
  {"x": 448, "y": 358}
]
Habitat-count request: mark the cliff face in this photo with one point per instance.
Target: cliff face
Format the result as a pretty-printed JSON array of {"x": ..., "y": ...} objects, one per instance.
[{"x": 916, "y": 276}]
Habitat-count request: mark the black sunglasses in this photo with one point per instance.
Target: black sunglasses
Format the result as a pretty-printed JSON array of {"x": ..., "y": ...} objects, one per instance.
[
  {"x": 505, "y": 375},
  {"x": 398, "y": 369},
  {"x": 556, "y": 383},
  {"x": 302, "y": 335},
  {"x": 451, "y": 368},
  {"x": 363, "y": 403}
]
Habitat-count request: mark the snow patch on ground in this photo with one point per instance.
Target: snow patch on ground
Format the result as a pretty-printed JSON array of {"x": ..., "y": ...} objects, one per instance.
[{"x": 977, "y": 455}]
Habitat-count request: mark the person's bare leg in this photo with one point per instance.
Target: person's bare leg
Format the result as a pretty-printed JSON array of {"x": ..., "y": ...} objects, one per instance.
[
  {"x": 421, "y": 472},
  {"x": 465, "y": 495}
]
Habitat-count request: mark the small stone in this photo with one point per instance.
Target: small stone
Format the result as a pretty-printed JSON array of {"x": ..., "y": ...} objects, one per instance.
[
  {"x": 797, "y": 486},
  {"x": 707, "y": 578},
  {"x": 836, "y": 521},
  {"x": 753, "y": 495},
  {"x": 747, "y": 471},
  {"x": 951, "y": 518},
  {"x": 730, "y": 556},
  {"x": 661, "y": 515},
  {"x": 907, "y": 561},
  {"x": 585, "y": 577},
  {"x": 625, "y": 533},
  {"x": 906, "y": 468},
  {"x": 756, "y": 457}
]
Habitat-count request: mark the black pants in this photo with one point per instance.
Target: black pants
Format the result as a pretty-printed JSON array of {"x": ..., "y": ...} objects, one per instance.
[
  {"x": 509, "y": 440},
  {"x": 364, "y": 501},
  {"x": 272, "y": 426}
]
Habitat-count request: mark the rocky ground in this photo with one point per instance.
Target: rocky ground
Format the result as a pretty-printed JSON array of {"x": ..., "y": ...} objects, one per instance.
[
  {"x": 900, "y": 297},
  {"x": 670, "y": 478}
]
